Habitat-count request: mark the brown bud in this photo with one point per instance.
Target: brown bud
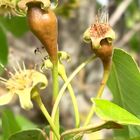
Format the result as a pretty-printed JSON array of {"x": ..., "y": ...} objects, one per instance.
[{"x": 43, "y": 23}]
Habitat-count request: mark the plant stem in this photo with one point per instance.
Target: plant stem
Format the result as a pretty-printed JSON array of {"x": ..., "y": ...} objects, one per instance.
[
  {"x": 75, "y": 106},
  {"x": 90, "y": 115},
  {"x": 55, "y": 81},
  {"x": 46, "y": 114},
  {"x": 106, "y": 73},
  {"x": 61, "y": 92},
  {"x": 90, "y": 128},
  {"x": 55, "y": 117}
]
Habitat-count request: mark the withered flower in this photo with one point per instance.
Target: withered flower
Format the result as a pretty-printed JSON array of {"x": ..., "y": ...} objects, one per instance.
[
  {"x": 99, "y": 30},
  {"x": 101, "y": 36},
  {"x": 8, "y": 7},
  {"x": 24, "y": 84}
]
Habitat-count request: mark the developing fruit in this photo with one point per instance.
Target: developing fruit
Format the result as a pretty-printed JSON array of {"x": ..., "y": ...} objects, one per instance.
[{"x": 43, "y": 24}]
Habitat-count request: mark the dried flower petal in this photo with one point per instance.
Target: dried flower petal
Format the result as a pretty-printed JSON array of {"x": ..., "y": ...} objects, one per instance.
[
  {"x": 23, "y": 4},
  {"x": 6, "y": 98},
  {"x": 25, "y": 99}
]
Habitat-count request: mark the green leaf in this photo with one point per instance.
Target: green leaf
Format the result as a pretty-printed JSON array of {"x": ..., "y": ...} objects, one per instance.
[
  {"x": 124, "y": 83},
  {"x": 16, "y": 25},
  {"x": 33, "y": 134},
  {"x": 24, "y": 123},
  {"x": 109, "y": 111},
  {"x": 3, "y": 49},
  {"x": 9, "y": 124}
]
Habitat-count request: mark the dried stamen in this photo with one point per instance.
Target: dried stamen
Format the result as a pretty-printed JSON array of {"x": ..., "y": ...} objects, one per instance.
[
  {"x": 99, "y": 30},
  {"x": 102, "y": 16},
  {"x": 18, "y": 65},
  {"x": 3, "y": 79},
  {"x": 16, "y": 71},
  {"x": 24, "y": 68},
  {"x": 6, "y": 69}
]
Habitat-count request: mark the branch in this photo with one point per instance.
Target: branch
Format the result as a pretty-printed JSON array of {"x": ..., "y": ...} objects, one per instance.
[
  {"x": 119, "y": 12},
  {"x": 129, "y": 35}
]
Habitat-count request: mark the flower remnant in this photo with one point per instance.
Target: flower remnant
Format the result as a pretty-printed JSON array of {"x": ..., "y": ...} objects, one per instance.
[
  {"x": 9, "y": 8},
  {"x": 99, "y": 30}
]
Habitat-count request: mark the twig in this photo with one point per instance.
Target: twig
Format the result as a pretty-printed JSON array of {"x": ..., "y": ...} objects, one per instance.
[
  {"x": 119, "y": 11},
  {"x": 128, "y": 35}
]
